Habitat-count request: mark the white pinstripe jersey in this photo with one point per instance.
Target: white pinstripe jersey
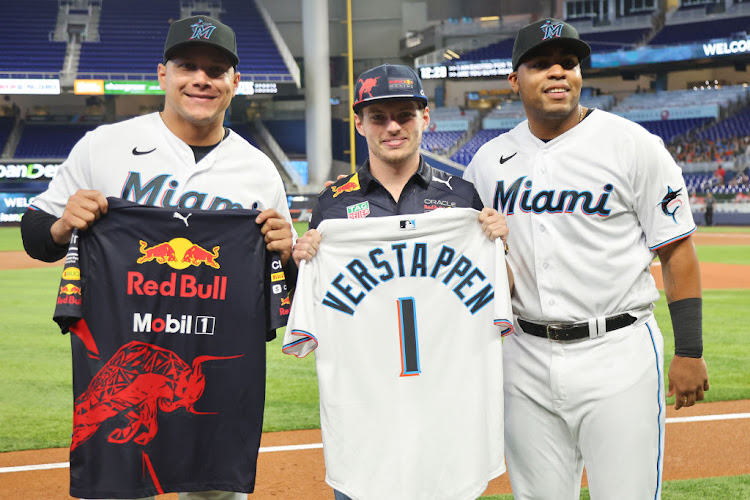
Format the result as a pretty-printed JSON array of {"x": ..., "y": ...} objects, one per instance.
[{"x": 405, "y": 315}]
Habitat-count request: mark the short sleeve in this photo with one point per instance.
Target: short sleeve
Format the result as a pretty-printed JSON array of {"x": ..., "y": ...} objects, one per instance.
[
  {"x": 661, "y": 198},
  {"x": 299, "y": 338}
]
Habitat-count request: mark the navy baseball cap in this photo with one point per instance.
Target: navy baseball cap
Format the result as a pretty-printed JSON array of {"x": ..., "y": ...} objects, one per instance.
[
  {"x": 201, "y": 29},
  {"x": 389, "y": 81},
  {"x": 548, "y": 32}
]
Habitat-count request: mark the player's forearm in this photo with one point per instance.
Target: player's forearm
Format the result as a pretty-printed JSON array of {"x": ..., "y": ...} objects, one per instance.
[
  {"x": 680, "y": 270},
  {"x": 37, "y": 238},
  {"x": 682, "y": 286}
]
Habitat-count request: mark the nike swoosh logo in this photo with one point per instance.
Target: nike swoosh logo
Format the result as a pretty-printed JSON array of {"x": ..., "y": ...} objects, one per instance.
[
  {"x": 503, "y": 160},
  {"x": 138, "y": 153}
]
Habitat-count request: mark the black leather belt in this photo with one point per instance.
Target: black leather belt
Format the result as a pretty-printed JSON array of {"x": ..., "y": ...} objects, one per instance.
[{"x": 572, "y": 331}]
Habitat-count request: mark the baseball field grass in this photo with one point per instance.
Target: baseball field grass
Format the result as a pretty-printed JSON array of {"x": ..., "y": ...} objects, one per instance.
[{"x": 35, "y": 368}]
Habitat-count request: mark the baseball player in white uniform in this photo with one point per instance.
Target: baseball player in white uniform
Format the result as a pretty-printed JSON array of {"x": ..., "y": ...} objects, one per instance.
[
  {"x": 182, "y": 157},
  {"x": 589, "y": 198},
  {"x": 405, "y": 314}
]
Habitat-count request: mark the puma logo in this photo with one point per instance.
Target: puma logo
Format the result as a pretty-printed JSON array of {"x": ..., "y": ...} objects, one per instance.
[
  {"x": 183, "y": 218},
  {"x": 447, "y": 182}
]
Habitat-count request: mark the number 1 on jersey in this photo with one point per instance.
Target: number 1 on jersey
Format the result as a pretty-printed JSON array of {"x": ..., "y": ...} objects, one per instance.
[{"x": 407, "y": 326}]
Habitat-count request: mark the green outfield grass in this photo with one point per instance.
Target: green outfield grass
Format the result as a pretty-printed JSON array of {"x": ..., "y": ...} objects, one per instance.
[
  {"x": 724, "y": 229},
  {"x": 35, "y": 369},
  {"x": 725, "y": 254}
]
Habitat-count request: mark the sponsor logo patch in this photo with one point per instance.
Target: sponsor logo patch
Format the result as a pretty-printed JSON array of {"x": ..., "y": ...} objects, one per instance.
[
  {"x": 178, "y": 253},
  {"x": 351, "y": 185},
  {"x": 358, "y": 211},
  {"x": 71, "y": 273}
]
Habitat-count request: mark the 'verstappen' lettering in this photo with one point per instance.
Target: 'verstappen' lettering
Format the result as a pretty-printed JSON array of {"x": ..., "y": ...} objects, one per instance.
[{"x": 442, "y": 264}]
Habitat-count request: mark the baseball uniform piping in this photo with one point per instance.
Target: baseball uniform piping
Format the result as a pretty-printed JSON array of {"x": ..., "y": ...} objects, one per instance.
[
  {"x": 658, "y": 418},
  {"x": 656, "y": 247},
  {"x": 306, "y": 337}
]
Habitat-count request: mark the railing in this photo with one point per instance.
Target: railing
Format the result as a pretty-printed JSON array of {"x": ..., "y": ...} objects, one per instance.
[{"x": 278, "y": 153}]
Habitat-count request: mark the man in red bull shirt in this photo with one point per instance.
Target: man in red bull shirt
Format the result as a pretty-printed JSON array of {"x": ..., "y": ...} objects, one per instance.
[
  {"x": 181, "y": 158},
  {"x": 391, "y": 113}
]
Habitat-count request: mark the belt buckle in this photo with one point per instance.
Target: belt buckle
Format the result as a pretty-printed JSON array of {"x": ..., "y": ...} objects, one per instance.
[{"x": 553, "y": 327}]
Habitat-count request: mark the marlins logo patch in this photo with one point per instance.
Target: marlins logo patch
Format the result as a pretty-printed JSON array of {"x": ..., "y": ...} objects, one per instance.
[{"x": 671, "y": 203}]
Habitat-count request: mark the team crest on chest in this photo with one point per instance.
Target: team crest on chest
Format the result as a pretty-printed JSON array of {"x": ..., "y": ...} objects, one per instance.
[{"x": 358, "y": 211}]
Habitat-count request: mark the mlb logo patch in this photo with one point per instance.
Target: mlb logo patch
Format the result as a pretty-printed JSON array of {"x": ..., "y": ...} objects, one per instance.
[
  {"x": 358, "y": 211},
  {"x": 407, "y": 225}
]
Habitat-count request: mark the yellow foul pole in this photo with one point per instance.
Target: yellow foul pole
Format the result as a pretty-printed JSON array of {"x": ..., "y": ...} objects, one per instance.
[{"x": 350, "y": 80}]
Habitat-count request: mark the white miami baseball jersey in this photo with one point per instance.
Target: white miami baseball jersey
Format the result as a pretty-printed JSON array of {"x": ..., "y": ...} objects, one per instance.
[
  {"x": 583, "y": 209},
  {"x": 142, "y": 161},
  {"x": 405, "y": 314}
]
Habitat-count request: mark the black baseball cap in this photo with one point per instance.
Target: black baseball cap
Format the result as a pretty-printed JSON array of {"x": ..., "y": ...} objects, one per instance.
[
  {"x": 388, "y": 81},
  {"x": 201, "y": 29},
  {"x": 546, "y": 32}
]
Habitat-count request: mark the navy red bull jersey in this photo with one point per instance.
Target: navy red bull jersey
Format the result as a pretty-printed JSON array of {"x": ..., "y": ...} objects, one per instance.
[
  {"x": 170, "y": 312},
  {"x": 360, "y": 195}
]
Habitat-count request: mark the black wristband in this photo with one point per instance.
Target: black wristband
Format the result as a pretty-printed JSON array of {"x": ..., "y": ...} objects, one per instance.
[{"x": 687, "y": 323}]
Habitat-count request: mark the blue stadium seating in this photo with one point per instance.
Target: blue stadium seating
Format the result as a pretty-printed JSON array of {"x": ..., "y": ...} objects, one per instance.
[
  {"x": 668, "y": 130},
  {"x": 467, "y": 151},
  {"x": 25, "y": 37},
  {"x": 439, "y": 142},
  {"x": 737, "y": 125},
  {"x": 498, "y": 50},
  {"x": 130, "y": 42},
  {"x": 6, "y": 125},
  {"x": 701, "y": 30},
  {"x": 255, "y": 46},
  {"x": 42, "y": 140}
]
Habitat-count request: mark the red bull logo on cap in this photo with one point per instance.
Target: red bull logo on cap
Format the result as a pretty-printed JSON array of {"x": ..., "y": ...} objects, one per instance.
[
  {"x": 179, "y": 253},
  {"x": 349, "y": 186}
]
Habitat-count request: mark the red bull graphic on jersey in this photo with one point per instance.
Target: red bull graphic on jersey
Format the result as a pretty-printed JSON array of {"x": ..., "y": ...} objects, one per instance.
[
  {"x": 179, "y": 253},
  {"x": 70, "y": 289},
  {"x": 349, "y": 186},
  {"x": 137, "y": 381}
]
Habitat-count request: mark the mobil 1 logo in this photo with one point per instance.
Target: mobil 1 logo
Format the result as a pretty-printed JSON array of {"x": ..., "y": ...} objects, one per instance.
[{"x": 185, "y": 324}]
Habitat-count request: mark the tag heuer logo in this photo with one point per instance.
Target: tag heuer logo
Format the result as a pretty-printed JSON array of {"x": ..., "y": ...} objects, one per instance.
[{"x": 358, "y": 211}]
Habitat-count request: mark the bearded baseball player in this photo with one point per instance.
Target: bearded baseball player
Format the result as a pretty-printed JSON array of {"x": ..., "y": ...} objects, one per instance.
[
  {"x": 181, "y": 158},
  {"x": 590, "y": 199}
]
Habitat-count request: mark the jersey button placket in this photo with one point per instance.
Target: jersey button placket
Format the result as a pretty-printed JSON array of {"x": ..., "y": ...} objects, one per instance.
[{"x": 543, "y": 240}]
